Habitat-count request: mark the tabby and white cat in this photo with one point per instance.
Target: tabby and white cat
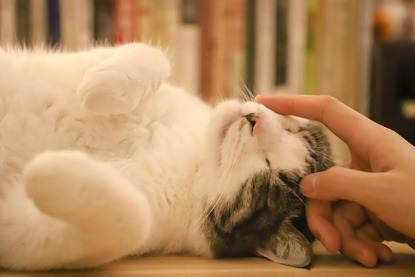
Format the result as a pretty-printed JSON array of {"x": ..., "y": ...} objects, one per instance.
[{"x": 100, "y": 159}]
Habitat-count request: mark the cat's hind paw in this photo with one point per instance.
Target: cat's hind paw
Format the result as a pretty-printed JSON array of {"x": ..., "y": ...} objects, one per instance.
[
  {"x": 57, "y": 181},
  {"x": 104, "y": 217},
  {"x": 75, "y": 188}
]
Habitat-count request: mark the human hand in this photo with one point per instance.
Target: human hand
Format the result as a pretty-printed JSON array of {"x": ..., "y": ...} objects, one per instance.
[{"x": 378, "y": 182}]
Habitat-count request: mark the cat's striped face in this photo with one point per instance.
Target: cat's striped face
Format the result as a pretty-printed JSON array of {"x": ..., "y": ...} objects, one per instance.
[{"x": 261, "y": 157}]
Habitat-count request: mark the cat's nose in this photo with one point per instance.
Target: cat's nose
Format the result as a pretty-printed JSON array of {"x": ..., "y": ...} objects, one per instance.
[{"x": 251, "y": 119}]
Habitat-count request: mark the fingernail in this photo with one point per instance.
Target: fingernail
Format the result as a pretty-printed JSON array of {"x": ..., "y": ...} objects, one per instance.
[
  {"x": 257, "y": 98},
  {"x": 307, "y": 185},
  {"x": 320, "y": 238},
  {"x": 323, "y": 241},
  {"x": 262, "y": 97}
]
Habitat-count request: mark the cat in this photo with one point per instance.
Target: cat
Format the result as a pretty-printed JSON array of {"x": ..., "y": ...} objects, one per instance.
[{"x": 100, "y": 158}]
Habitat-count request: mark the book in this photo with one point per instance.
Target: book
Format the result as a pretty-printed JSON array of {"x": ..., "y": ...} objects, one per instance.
[
  {"x": 250, "y": 44},
  {"x": 7, "y": 22},
  {"x": 280, "y": 46},
  {"x": 23, "y": 22},
  {"x": 365, "y": 55},
  {"x": 213, "y": 75},
  {"x": 296, "y": 46},
  {"x": 104, "y": 21},
  {"x": 338, "y": 46},
  {"x": 235, "y": 48},
  {"x": 183, "y": 34},
  {"x": 222, "y": 49},
  {"x": 38, "y": 24},
  {"x": 339, "y": 53},
  {"x": 266, "y": 46},
  {"x": 281, "y": 39},
  {"x": 76, "y": 24},
  {"x": 153, "y": 22},
  {"x": 53, "y": 22},
  {"x": 125, "y": 21},
  {"x": 311, "y": 56}
]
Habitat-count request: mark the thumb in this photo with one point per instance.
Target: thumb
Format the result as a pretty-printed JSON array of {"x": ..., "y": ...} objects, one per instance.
[{"x": 340, "y": 183}]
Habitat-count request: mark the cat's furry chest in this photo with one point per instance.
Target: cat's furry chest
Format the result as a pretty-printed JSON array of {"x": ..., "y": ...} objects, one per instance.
[{"x": 166, "y": 157}]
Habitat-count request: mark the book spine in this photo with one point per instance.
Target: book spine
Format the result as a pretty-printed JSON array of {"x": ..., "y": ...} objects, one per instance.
[
  {"x": 311, "y": 57},
  {"x": 7, "y": 21},
  {"x": 22, "y": 22},
  {"x": 76, "y": 24},
  {"x": 68, "y": 22},
  {"x": 297, "y": 26},
  {"x": 104, "y": 21},
  {"x": 38, "y": 22},
  {"x": 183, "y": 39},
  {"x": 265, "y": 46},
  {"x": 85, "y": 24},
  {"x": 250, "y": 45},
  {"x": 53, "y": 16},
  {"x": 235, "y": 48},
  {"x": 281, "y": 44},
  {"x": 366, "y": 46},
  {"x": 213, "y": 75},
  {"x": 152, "y": 17},
  {"x": 125, "y": 21}
]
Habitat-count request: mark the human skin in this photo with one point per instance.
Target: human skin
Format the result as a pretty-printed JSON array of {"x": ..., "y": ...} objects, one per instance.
[{"x": 357, "y": 206}]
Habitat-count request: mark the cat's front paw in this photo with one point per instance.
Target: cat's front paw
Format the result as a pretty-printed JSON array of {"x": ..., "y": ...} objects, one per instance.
[{"x": 116, "y": 85}]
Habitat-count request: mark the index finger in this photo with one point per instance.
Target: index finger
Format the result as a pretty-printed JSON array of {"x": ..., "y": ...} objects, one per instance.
[{"x": 343, "y": 121}]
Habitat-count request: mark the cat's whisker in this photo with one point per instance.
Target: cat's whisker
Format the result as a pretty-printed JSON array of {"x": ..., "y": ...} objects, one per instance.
[
  {"x": 299, "y": 198},
  {"x": 244, "y": 93},
  {"x": 208, "y": 210},
  {"x": 224, "y": 180}
]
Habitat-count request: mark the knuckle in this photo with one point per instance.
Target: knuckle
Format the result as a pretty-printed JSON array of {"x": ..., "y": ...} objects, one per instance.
[
  {"x": 327, "y": 177},
  {"x": 329, "y": 100},
  {"x": 334, "y": 173}
]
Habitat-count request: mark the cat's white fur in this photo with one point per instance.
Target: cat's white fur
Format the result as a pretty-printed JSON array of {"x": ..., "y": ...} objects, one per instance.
[{"x": 100, "y": 158}]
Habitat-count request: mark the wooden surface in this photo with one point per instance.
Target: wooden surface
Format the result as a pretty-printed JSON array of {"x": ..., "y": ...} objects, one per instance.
[{"x": 324, "y": 264}]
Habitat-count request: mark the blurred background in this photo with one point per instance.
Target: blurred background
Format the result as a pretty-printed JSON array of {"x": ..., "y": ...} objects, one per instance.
[{"x": 359, "y": 51}]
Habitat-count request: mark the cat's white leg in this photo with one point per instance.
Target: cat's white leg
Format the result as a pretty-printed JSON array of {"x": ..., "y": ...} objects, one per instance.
[
  {"x": 91, "y": 215},
  {"x": 116, "y": 85}
]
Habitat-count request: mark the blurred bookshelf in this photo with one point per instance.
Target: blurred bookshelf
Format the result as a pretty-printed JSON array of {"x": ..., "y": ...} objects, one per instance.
[
  {"x": 218, "y": 48},
  {"x": 224, "y": 48}
]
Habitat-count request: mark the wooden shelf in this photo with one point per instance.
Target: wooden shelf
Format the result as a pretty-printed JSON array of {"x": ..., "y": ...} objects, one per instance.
[{"x": 324, "y": 264}]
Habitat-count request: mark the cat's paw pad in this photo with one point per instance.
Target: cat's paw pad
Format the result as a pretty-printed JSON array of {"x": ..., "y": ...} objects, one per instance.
[
  {"x": 116, "y": 85},
  {"x": 56, "y": 181}
]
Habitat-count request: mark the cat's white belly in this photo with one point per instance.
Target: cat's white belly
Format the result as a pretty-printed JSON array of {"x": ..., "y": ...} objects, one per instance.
[{"x": 163, "y": 168}]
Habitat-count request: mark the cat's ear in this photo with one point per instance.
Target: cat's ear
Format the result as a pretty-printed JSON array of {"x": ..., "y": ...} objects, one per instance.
[{"x": 288, "y": 246}]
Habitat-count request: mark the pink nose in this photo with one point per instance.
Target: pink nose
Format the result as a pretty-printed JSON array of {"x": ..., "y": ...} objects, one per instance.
[{"x": 255, "y": 119}]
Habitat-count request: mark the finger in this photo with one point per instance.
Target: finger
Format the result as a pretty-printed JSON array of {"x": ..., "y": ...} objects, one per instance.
[
  {"x": 319, "y": 221},
  {"x": 351, "y": 221},
  {"x": 353, "y": 213},
  {"x": 385, "y": 231},
  {"x": 358, "y": 251},
  {"x": 351, "y": 246},
  {"x": 369, "y": 235},
  {"x": 343, "y": 121},
  {"x": 347, "y": 184}
]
